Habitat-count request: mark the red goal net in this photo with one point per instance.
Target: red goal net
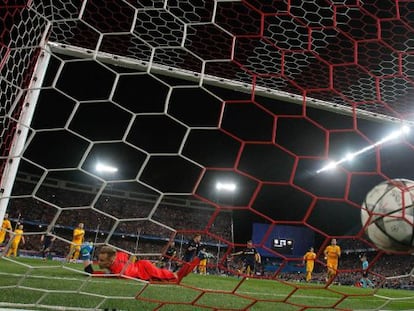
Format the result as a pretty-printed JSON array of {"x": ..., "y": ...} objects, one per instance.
[{"x": 153, "y": 121}]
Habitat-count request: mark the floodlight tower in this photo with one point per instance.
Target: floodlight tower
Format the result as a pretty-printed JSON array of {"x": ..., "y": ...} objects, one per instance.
[{"x": 103, "y": 168}]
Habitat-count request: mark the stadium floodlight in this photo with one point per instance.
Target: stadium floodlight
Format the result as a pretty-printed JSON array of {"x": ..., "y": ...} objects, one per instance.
[
  {"x": 350, "y": 156},
  {"x": 331, "y": 165},
  {"x": 103, "y": 168},
  {"x": 226, "y": 186},
  {"x": 404, "y": 130}
]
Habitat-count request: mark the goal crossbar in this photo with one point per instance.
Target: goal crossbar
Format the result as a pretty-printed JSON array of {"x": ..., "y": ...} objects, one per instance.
[{"x": 201, "y": 78}]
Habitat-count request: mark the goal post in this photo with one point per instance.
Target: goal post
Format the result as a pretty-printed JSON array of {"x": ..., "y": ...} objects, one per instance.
[
  {"x": 28, "y": 106},
  {"x": 19, "y": 102}
]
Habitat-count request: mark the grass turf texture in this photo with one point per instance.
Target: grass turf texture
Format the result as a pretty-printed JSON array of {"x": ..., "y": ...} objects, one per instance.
[{"x": 35, "y": 284}]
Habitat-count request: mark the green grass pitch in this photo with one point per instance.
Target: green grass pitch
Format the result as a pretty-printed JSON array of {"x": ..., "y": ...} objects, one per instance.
[{"x": 37, "y": 285}]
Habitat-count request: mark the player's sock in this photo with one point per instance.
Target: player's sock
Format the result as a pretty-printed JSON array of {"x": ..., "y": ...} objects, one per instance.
[{"x": 88, "y": 269}]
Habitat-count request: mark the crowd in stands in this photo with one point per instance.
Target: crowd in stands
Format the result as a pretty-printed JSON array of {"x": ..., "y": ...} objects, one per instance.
[
  {"x": 131, "y": 214},
  {"x": 145, "y": 227},
  {"x": 133, "y": 223}
]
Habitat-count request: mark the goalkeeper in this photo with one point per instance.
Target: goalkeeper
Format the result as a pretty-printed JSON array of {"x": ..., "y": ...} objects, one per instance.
[{"x": 118, "y": 263}]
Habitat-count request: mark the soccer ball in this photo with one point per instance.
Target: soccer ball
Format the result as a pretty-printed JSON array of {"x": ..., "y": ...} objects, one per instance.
[{"x": 387, "y": 215}]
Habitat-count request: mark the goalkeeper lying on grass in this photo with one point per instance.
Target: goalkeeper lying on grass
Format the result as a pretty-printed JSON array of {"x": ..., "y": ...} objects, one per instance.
[{"x": 120, "y": 264}]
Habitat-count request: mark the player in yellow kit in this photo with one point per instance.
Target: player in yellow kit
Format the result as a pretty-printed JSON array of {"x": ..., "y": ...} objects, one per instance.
[
  {"x": 4, "y": 227},
  {"x": 309, "y": 258},
  {"x": 202, "y": 266},
  {"x": 204, "y": 256},
  {"x": 17, "y": 237},
  {"x": 332, "y": 253},
  {"x": 77, "y": 241}
]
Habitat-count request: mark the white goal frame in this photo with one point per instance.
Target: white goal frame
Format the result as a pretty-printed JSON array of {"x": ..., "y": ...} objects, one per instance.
[{"x": 22, "y": 130}]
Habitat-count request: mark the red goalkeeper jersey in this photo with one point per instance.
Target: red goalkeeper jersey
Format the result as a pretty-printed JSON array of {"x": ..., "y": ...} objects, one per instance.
[{"x": 141, "y": 269}]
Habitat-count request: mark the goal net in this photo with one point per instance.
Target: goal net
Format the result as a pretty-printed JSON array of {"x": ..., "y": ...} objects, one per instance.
[{"x": 150, "y": 122}]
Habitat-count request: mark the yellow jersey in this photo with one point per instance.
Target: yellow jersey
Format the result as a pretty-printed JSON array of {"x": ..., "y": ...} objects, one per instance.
[
  {"x": 6, "y": 225},
  {"x": 18, "y": 233},
  {"x": 309, "y": 256},
  {"x": 78, "y": 235},
  {"x": 332, "y": 252}
]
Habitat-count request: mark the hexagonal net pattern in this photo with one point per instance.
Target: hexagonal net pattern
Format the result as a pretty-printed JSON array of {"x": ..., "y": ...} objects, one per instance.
[{"x": 136, "y": 118}]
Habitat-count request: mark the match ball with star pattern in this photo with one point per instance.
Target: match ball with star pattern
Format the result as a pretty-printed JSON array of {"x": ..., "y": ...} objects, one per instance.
[{"x": 387, "y": 215}]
